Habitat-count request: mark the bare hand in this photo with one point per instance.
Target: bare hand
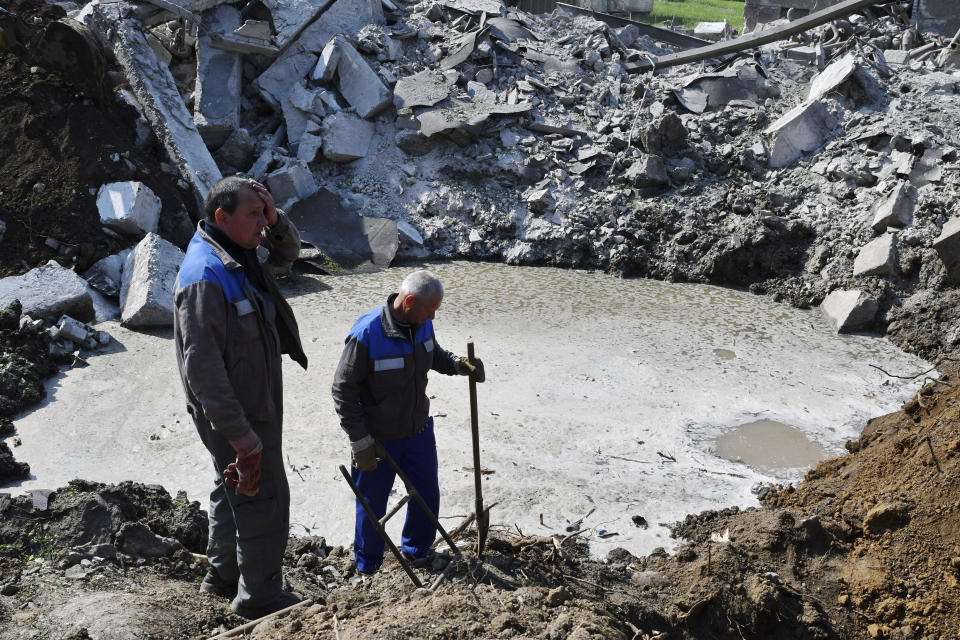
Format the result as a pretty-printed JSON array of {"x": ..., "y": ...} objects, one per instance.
[{"x": 269, "y": 208}]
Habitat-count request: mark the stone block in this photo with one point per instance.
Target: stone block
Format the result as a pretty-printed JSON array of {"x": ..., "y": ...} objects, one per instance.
[
  {"x": 327, "y": 64},
  {"x": 128, "y": 207},
  {"x": 309, "y": 147},
  {"x": 804, "y": 128},
  {"x": 217, "y": 95},
  {"x": 346, "y": 137},
  {"x": 647, "y": 171},
  {"x": 714, "y": 31},
  {"x": 49, "y": 291},
  {"x": 897, "y": 209},
  {"x": 833, "y": 76},
  {"x": 947, "y": 246},
  {"x": 359, "y": 84},
  {"x": 878, "y": 257},
  {"x": 849, "y": 311},
  {"x": 291, "y": 183},
  {"x": 148, "y": 282}
]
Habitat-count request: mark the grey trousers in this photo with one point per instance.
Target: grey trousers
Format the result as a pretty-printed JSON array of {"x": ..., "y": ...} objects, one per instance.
[{"x": 248, "y": 534}]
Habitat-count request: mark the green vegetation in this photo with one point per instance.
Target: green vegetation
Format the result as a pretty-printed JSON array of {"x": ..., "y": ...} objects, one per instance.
[{"x": 690, "y": 12}]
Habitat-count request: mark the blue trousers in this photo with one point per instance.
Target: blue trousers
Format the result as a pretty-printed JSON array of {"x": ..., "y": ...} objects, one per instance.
[{"x": 417, "y": 457}]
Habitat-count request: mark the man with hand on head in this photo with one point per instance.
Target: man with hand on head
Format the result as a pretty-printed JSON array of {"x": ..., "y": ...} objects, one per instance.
[
  {"x": 231, "y": 325},
  {"x": 380, "y": 393}
]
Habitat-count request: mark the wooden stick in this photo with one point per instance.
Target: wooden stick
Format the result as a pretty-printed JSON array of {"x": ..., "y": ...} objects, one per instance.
[{"x": 236, "y": 631}]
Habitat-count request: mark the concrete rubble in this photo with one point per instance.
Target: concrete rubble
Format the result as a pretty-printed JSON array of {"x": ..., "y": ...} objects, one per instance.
[
  {"x": 878, "y": 257},
  {"x": 129, "y": 207},
  {"x": 149, "y": 278},
  {"x": 49, "y": 291},
  {"x": 849, "y": 311}
]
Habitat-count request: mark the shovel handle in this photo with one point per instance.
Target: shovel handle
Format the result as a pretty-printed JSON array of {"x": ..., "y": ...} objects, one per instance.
[{"x": 475, "y": 431}]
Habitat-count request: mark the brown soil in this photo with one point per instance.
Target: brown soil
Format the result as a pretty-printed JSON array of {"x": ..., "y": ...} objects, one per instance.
[{"x": 57, "y": 147}]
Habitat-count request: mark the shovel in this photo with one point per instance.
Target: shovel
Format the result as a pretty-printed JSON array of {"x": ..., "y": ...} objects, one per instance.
[{"x": 483, "y": 515}]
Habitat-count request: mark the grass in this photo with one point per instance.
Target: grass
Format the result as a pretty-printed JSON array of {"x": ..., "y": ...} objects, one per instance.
[{"x": 690, "y": 12}]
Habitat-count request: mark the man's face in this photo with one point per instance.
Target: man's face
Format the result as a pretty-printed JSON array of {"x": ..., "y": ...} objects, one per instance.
[
  {"x": 244, "y": 225},
  {"x": 419, "y": 310}
]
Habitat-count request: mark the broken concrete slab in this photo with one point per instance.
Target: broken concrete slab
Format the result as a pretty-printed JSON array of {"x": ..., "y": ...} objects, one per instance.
[
  {"x": 104, "y": 275},
  {"x": 291, "y": 183},
  {"x": 346, "y": 137},
  {"x": 947, "y": 246},
  {"x": 345, "y": 236},
  {"x": 553, "y": 124},
  {"x": 423, "y": 89},
  {"x": 297, "y": 121},
  {"x": 327, "y": 64},
  {"x": 239, "y": 44},
  {"x": 256, "y": 29},
  {"x": 274, "y": 83},
  {"x": 849, "y": 311},
  {"x": 148, "y": 282},
  {"x": 896, "y": 210},
  {"x": 804, "y": 128},
  {"x": 540, "y": 200},
  {"x": 463, "y": 120},
  {"x": 712, "y": 90},
  {"x": 477, "y": 7},
  {"x": 49, "y": 291},
  {"x": 360, "y": 84},
  {"x": 648, "y": 171},
  {"x": 216, "y": 101},
  {"x": 837, "y": 73},
  {"x": 713, "y": 31},
  {"x": 157, "y": 93},
  {"x": 878, "y": 257},
  {"x": 308, "y": 147},
  {"x": 128, "y": 207}
]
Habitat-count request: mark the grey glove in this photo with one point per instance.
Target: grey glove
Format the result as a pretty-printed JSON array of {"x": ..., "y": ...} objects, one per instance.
[
  {"x": 466, "y": 368},
  {"x": 365, "y": 459}
]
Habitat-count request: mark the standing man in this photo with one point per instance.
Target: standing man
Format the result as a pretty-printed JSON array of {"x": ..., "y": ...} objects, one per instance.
[
  {"x": 380, "y": 392},
  {"x": 231, "y": 325}
]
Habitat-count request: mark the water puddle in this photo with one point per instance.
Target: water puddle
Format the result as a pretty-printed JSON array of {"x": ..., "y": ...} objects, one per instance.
[
  {"x": 724, "y": 354},
  {"x": 769, "y": 445}
]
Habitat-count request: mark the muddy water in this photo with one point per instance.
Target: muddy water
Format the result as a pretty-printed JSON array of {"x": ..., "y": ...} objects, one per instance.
[
  {"x": 770, "y": 446},
  {"x": 604, "y": 396}
]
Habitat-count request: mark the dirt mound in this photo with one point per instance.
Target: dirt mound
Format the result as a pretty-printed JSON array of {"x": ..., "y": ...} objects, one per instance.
[{"x": 59, "y": 147}]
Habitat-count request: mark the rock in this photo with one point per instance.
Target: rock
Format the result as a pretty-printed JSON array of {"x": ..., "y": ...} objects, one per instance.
[
  {"x": 129, "y": 207},
  {"x": 137, "y": 540},
  {"x": 76, "y": 572},
  {"x": 309, "y": 147},
  {"x": 947, "y": 246},
  {"x": 886, "y": 515},
  {"x": 647, "y": 171},
  {"x": 238, "y": 150},
  {"x": 540, "y": 200},
  {"x": 878, "y": 257},
  {"x": 409, "y": 234},
  {"x": 423, "y": 89},
  {"x": 346, "y": 137},
  {"x": 105, "y": 274},
  {"x": 413, "y": 143},
  {"x": 149, "y": 280},
  {"x": 714, "y": 31},
  {"x": 849, "y": 311},
  {"x": 291, "y": 183},
  {"x": 49, "y": 291},
  {"x": 653, "y": 579},
  {"x": 327, "y": 64},
  {"x": 257, "y": 29},
  {"x": 802, "y": 129},
  {"x": 217, "y": 94},
  {"x": 557, "y": 597},
  {"x": 897, "y": 209},
  {"x": 72, "y": 329},
  {"x": 359, "y": 84}
]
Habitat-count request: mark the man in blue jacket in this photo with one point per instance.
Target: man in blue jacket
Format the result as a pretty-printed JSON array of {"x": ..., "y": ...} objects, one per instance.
[
  {"x": 380, "y": 393},
  {"x": 231, "y": 325}
]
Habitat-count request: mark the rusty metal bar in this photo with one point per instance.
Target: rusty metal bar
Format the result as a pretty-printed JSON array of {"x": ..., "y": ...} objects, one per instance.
[
  {"x": 404, "y": 500},
  {"x": 674, "y": 38},
  {"x": 754, "y": 39}
]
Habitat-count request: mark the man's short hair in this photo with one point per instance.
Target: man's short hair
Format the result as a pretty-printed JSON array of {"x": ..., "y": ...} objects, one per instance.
[
  {"x": 422, "y": 285},
  {"x": 224, "y": 194}
]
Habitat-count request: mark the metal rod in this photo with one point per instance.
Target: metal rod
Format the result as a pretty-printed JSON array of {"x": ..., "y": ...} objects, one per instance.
[
  {"x": 663, "y": 35},
  {"x": 413, "y": 493},
  {"x": 753, "y": 40},
  {"x": 379, "y": 527},
  {"x": 404, "y": 500},
  {"x": 236, "y": 631},
  {"x": 475, "y": 433}
]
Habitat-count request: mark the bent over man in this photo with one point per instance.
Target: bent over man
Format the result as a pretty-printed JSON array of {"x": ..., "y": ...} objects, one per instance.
[
  {"x": 380, "y": 393},
  {"x": 231, "y": 325}
]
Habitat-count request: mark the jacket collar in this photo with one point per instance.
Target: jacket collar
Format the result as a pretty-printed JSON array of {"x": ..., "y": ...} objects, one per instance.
[
  {"x": 391, "y": 329},
  {"x": 222, "y": 253}
]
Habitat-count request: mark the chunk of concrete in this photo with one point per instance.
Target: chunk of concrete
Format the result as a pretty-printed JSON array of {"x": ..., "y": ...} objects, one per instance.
[
  {"x": 897, "y": 209},
  {"x": 878, "y": 257},
  {"x": 148, "y": 282},
  {"x": 344, "y": 235},
  {"x": 291, "y": 183},
  {"x": 137, "y": 540},
  {"x": 240, "y": 44},
  {"x": 477, "y": 7},
  {"x": 713, "y": 31},
  {"x": 49, "y": 291},
  {"x": 157, "y": 93},
  {"x": 849, "y": 311},
  {"x": 327, "y": 64},
  {"x": 105, "y": 275},
  {"x": 128, "y": 207},
  {"x": 237, "y": 152},
  {"x": 647, "y": 171},
  {"x": 274, "y": 83},
  {"x": 833, "y": 76},
  {"x": 359, "y": 84},
  {"x": 297, "y": 121},
  {"x": 713, "y": 90},
  {"x": 217, "y": 94},
  {"x": 308, "y": 147},
  {"x": 804, "y": 128},
  {"x": 257, "y": 29},
  {"x": 947, "y": 246},
  {"x": 423, "y": 89},
  {"x": 346, "y": 137}
]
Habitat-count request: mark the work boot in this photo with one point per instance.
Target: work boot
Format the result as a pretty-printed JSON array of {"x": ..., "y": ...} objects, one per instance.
[
  {"x": 283, "y": 600},
  {"x": 421, "y": 561},
  {"x": 214, "y": 584}
]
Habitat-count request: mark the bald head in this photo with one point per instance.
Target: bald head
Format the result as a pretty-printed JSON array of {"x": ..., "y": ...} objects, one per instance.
[{"x": 420, "y": 296}]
